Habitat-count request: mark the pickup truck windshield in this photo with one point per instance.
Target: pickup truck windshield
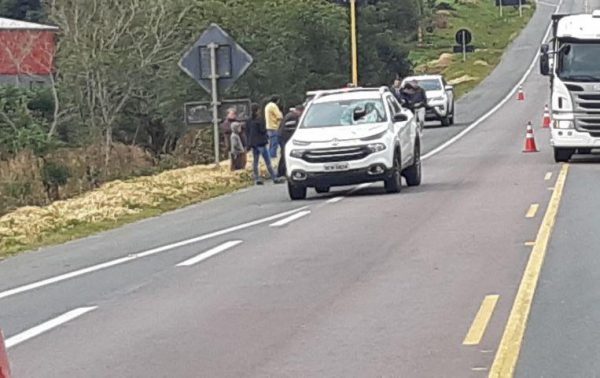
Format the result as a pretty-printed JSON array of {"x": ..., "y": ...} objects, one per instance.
[
  {"x": 344, "y": 113},
  {"x": 579, "y": 62},
  {"x": 430, "y": 85}
]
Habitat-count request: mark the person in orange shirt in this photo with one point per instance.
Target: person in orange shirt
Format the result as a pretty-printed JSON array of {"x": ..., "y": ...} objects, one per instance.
[{"x": 273, "y": 117}]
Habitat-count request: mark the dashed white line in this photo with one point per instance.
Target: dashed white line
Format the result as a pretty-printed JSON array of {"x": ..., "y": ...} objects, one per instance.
[
  {"x": 122, "y": 260},
  {"x": 210, "y": 253},
  {"x": 548, "y": 176},
  {"x": 47, "y": 326},
  {"x": 335, "y": 199},
  {"x": 291, "y": 218}
]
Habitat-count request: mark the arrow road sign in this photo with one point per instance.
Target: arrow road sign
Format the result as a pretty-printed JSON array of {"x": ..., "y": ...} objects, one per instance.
[{"x": 232, "y": 59}]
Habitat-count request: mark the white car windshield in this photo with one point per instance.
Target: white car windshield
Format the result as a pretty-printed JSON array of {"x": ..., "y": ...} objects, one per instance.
[
  {"x": 430, "y": 84},
  {"x": 344, "y": 113}
]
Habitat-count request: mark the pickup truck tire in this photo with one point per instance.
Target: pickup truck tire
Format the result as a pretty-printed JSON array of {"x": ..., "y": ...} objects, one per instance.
[
  {"x": 452, "y": 115},
  {"x": 322, "y": 189},
  {"x": 296, "y": 192},
  {"x": 563, "y": 155},
  {"x": 446, "y": 121},
  {"x": 394, "y": 183},
  {"x": 412, "y": 174}
]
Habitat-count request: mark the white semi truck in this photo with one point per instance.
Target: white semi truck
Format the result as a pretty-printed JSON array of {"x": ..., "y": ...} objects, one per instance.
[{"x": 572, "y": 61}]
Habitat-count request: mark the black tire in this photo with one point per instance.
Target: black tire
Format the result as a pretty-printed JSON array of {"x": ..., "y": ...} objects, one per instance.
[
  {"x": 394, "y": 183},
  {"x": 322, "y": 189},
  {"x": 563, "y": 155},
  {"x": 296, "y": 192},
  {"x": 452, "y": 115},
  {"x": 445, "y": 121},
  {"x": 413, "y": 173}
]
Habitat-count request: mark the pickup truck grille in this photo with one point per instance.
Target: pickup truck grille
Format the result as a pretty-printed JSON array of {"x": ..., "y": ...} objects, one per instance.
[{"x": 335, "y": 154}]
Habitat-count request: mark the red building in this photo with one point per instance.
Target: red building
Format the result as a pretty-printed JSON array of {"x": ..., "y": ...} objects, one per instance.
[{"x": 26, "y": 52}]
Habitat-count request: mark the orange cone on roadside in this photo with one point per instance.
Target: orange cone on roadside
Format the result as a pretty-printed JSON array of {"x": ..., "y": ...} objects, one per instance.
[
  {"x": 530, "y": 140},
  {"x": 547, "y": 119},
  {"x": 521, "y": 94},
  {"x": 4, "y": 368}
]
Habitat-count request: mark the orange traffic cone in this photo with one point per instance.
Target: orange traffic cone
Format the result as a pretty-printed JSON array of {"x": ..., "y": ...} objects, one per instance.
[
  {"x": 521, "y": 94},
  {"x": 530, "y": 140},
  {"x": 547, "y": 119},
  {"x": 4, "y": 368}
]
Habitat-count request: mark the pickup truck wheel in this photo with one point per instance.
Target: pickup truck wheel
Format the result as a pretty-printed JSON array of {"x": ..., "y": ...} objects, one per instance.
[
  {"x": 445, "y": 121},
  {"x": 296, "y": 192},
  {"x": 322, "y": 189},
  {"x": 563, "y": 155},
  {"x": 452, "y": 116},
  {"x": 412, "y": 174},
  {"x": 394, "y": 183}
]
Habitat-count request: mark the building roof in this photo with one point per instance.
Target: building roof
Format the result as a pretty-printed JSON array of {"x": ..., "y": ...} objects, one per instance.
[{"x": 10, "y": 24}]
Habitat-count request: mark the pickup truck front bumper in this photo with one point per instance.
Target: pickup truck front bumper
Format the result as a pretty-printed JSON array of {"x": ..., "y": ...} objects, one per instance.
[{"x": 435, "y": 112}]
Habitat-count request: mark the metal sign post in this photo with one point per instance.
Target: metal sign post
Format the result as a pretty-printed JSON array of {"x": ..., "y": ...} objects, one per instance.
[
  {"x": 464, "y": 45},
  {"x": 501, "y": 8},
  {"x": 520, "y": 8},
  {"x": 214, "y": 77}
]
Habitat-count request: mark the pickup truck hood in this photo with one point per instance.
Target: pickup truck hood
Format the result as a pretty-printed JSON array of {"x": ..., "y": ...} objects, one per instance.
[
  {"x": 341, "y": 133},
  {"x": 434, "y": 94}
]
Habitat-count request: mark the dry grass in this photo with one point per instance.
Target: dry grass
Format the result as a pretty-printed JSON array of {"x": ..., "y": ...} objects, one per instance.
[{"x": 114, "y": 202}]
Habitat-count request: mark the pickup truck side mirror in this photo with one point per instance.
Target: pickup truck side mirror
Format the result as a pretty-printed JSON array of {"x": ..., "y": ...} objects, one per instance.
[
  {"x": 400, "y": 117},
  {"x": 544, "y": 60}
]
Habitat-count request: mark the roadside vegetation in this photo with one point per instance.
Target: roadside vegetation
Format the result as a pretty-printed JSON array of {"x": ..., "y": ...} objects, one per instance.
[{"x": 86, "y": 154}]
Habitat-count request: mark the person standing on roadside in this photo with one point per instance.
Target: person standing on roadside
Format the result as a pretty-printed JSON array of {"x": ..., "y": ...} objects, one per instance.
[
  {"x": 397, "y": 89},
  {"x": 286, "y": 130},
  {"x": 258, "y": 140},
  {"x": 238, "y": 150},
  {"x": 225, "y": 128},
  {"x": 273, "y": 117}
]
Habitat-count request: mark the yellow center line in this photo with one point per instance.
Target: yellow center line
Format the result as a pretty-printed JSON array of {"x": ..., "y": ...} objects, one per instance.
[
  {"x": 481, "y": 320},
  {"x": 532, "y": 210},
  {"x": 548, "y": 176},
  {"x": 510, "y": 345}
]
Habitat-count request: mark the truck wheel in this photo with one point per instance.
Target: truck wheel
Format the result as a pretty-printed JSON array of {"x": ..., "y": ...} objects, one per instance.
[
  {"x": 322, "y": 189},
  {"x": 296, "y": 192},
  {"x": 394, "y": 183},
  {"x": 452, "y": 115},
  {"x": 412, "y": 174},
  {"x": 445, "y": 121},
  {"x": 563, "y": 155}
]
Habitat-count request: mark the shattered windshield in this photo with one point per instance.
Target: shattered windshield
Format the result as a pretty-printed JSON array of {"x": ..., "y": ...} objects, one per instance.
[{"x": 344, "y": 113}]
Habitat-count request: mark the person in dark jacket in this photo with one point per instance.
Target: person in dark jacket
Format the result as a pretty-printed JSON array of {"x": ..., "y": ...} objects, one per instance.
[
  {"x": 414, "y": 98},
  {"x": 258, "y": 140},
  {"x": 286, "y": 130}
]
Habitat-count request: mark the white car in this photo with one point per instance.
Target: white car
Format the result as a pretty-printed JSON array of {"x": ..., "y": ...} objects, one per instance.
[
  {"x": 352, "y": 136},
  {"x": 440, "y": 98}
]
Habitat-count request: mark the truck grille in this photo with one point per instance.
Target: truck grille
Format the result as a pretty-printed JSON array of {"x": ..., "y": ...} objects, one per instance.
[
  {"x": 336, "y": 154},
  {"x": 586, "y": 103}
]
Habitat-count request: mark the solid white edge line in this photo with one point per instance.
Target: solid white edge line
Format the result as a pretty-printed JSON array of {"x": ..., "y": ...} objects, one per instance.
[
  {"x": 210, "y": 253},
  {"x": 291, "y": 218},
  {"x": 122, "y": 260},
  {"x": 495, "y": 108},
  {"x": 47, "y": 326}
]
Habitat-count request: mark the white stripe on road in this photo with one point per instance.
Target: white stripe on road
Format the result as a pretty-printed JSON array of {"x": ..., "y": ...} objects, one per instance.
[
  {"x": 335, "y": 200},
  {"x": 291, "y": 218},
  {"x": 122, "y": 260},
  {"x": 47, "y": 326},
  {"x": 548, "y": 176},
  {"x": 495, "y": 108},
  {"x": 210, "y": 253}
]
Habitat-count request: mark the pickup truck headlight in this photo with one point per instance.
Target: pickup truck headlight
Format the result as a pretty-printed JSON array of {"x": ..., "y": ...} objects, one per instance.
[
  {"x": 297, "y": 153},
  {"x": 376, "y": 147}
]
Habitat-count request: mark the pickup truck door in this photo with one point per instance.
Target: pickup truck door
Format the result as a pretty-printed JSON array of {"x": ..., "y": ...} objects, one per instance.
[{"x": 406, "y": 130}]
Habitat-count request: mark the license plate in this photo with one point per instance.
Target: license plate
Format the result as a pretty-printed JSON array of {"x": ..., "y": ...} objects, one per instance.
[{"x": 336, "y": 167}]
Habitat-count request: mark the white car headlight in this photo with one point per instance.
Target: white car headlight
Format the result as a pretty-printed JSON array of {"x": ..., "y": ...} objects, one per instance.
[
  {"x": 376, "y": 147},
  {"x": 297, "y": 153}
]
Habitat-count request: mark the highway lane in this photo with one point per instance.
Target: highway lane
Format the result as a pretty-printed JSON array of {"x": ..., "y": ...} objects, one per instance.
[{"x": 337, "y": 283}]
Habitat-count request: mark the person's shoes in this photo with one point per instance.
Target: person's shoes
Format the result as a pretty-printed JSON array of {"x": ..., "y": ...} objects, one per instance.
[{"x": 279, "y": 180}]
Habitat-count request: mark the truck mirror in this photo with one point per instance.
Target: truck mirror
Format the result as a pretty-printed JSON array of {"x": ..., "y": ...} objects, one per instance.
[
  {"x": 544, "y": 48},
  {"x": 545, "y": 64}
]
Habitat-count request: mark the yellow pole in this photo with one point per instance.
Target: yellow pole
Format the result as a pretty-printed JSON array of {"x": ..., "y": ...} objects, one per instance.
[{"x": 353, "y": 38}]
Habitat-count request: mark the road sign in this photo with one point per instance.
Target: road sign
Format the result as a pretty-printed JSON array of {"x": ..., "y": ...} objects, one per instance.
[
  {"x": 215, "y": 61},
  {"x": 232, "y": 59},
  {"x": 463, "y": 36},
  {"x": 200, "y": 113}
]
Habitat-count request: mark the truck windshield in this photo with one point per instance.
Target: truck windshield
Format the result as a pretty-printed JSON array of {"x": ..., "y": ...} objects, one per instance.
[
  {"x": 344, "y": 113},
  {"x": 579, "y": 62}
]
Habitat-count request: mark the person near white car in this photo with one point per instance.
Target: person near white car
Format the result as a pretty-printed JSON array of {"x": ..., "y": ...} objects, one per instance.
[
  {"x": 440, "y": 97},
  {"x": 351, "y": 136}
]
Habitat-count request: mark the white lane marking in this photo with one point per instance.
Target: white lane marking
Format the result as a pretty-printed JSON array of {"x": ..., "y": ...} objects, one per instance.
[
  {"x": 210, "y": 253},
  {"x": 495, "y": 108},
  {"x": 290, "y": 219},
  {"x": 335, "y": 199},
  {"x": 122, "y": 260},
  {"x": 548, "y": 176},
  {"x": 47, "y": 326}
]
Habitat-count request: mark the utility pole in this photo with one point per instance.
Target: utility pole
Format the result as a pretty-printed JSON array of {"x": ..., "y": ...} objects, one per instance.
[{"x": 354, "y": 42}]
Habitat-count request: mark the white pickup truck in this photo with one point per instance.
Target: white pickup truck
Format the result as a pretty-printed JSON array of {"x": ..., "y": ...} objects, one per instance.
[{"x": 440, "y": 98}]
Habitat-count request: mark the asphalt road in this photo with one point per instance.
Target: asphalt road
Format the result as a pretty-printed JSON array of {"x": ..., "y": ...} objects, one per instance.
[{"x": 354, "y": 283}]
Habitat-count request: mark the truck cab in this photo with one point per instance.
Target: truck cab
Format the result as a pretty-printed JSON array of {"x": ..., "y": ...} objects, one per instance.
[{"x": 571, "y": 60}]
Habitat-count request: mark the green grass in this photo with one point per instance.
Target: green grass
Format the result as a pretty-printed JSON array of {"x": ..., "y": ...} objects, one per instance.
[{"x": 491, "y": 35}]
